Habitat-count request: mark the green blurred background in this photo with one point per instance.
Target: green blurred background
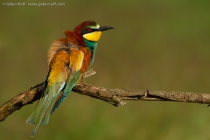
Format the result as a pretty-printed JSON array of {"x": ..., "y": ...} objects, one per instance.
[{"x": 156, "y": 45}]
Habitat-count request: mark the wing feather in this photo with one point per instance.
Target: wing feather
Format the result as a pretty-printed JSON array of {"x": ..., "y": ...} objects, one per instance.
[{"x": 76, "y": 60}]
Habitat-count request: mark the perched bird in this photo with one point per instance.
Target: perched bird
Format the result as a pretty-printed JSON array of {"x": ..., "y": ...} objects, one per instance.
[{"x": 68, "y": 59}]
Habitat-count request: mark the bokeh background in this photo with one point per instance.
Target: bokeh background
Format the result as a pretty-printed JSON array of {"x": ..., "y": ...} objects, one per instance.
[{"x": 156, "y": 45}]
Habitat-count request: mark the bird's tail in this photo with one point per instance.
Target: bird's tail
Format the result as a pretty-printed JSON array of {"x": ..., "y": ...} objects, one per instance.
[{"x": 41, "y": 114}]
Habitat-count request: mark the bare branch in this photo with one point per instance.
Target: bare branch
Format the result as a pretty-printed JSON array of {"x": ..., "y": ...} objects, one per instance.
[
  {"x": 89, "y": 73},
  {"x": 115, "y": 97}
]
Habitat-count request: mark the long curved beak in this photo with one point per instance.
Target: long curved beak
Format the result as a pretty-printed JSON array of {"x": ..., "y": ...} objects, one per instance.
[{"x": 104, "y": 28}]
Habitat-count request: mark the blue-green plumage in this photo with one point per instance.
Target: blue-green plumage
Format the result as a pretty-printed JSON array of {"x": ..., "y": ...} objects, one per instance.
[{"x": 93, "y": 46}]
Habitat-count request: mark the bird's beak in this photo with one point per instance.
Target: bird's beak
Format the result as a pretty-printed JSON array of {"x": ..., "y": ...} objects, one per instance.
[{"x": 104, "y": 28}]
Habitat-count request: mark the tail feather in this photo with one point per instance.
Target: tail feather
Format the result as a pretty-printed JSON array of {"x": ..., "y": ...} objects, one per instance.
[
  {"x": 41, "y": 114},
  {"x": 33, "y": 117},
  {"x": 60, "y": 99},
  {"x": 46, "y": 118}
]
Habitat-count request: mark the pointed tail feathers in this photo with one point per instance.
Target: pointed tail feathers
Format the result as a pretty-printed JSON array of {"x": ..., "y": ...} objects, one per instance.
[{"x": 41, "y": 114}]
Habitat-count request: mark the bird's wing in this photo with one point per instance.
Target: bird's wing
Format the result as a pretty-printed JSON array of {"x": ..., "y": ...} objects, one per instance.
[{"x": 76, "y": 61}]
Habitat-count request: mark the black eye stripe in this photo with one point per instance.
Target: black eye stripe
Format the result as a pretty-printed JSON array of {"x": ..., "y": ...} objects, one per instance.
[
  {"x": 87, "y": 30},
  {"x": 94, "y": 30}
]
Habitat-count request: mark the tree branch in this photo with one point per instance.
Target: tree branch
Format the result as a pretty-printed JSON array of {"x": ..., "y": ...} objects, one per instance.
[{"x": 115, "y": 97}]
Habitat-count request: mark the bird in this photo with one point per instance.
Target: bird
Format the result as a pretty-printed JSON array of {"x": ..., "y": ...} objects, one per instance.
[{"x": 68, "y": 59}]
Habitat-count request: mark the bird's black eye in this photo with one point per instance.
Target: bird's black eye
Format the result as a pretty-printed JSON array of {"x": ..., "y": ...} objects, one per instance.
[{"x": 89, "y": 30}]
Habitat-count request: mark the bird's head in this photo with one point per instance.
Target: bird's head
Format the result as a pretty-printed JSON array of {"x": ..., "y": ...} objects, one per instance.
[{"x": 90, "y": 30}]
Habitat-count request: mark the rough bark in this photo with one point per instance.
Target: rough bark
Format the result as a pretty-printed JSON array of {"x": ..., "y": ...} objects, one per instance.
[{"x": 115, "y": 97}]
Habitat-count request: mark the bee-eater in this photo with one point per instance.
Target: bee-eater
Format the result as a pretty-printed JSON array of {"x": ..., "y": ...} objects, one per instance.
[{"x": 68, "y": 59}]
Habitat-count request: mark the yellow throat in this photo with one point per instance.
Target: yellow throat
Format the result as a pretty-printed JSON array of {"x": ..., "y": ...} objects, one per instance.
[{"x": 94, "y": 36}]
